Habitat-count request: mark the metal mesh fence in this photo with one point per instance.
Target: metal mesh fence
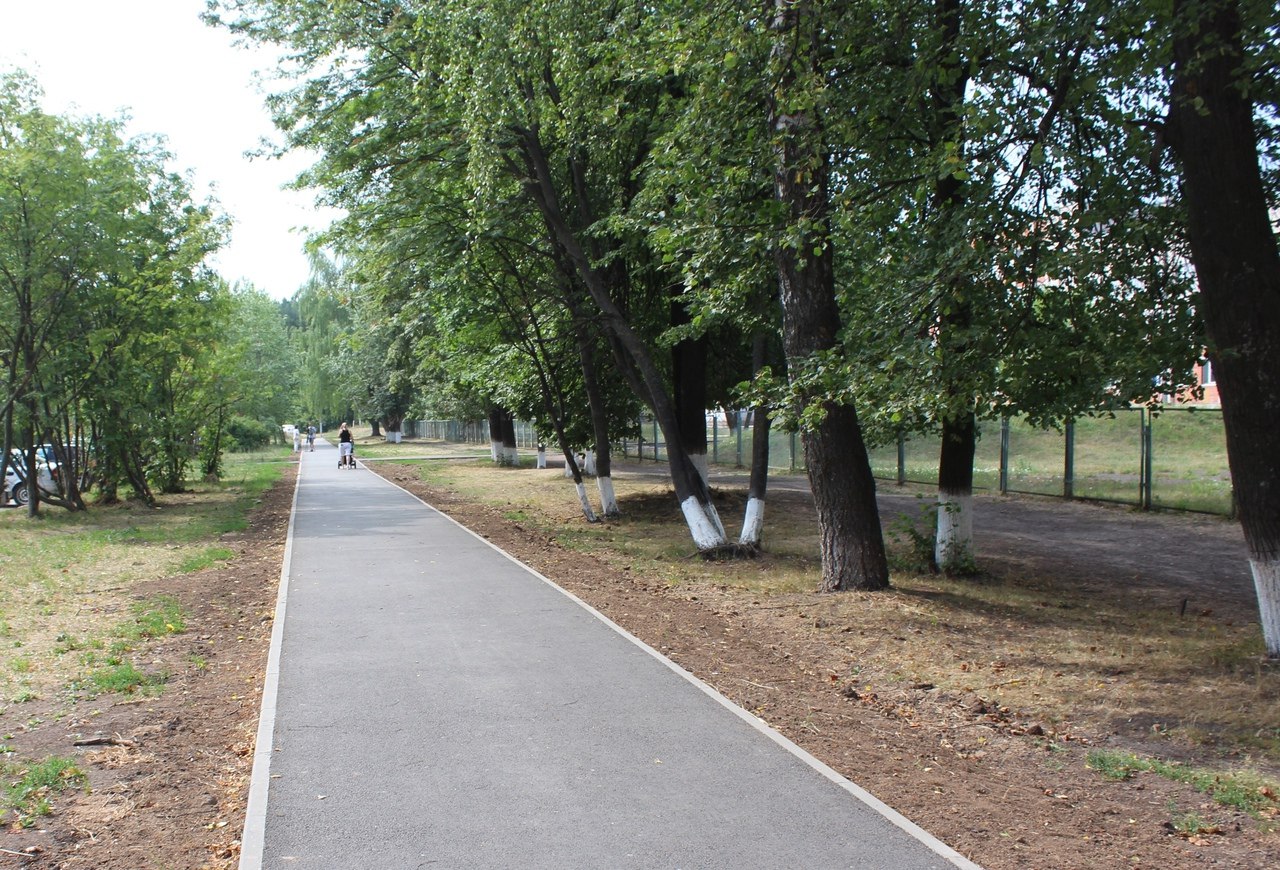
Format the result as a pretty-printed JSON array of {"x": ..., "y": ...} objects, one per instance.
[{"x": 1175, "y": 458}]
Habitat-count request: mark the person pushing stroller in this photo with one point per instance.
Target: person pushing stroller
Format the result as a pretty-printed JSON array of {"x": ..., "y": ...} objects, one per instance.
[{"x": 346, "y": 448}]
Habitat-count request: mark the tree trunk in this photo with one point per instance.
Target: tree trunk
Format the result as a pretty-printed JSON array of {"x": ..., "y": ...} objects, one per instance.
[
  {"x": 575, "y": 471},
  {"x": 553, "y": 404},
  {"x": 853, "y": 555},
  {"x": 1234, "y": 250},
  {"x": 753, "y": 520},
  {"x": 132, "y": 465},
  {"x": 213, "y": 458},
  {"x": 376, "y": 432},
  {"x": 953, "y": 546},
  {"x": 599, "y": 424},
  {"x": 34, "y": 496},
  {"x": 689, "y": 390},
  {"x": 5, "y": 457},
  {"x": 33, "y": 467},
  {"x": 953, "y": 538},
  {"x": 510, "y": 452},
  {"x": 731, "y": 419},
  {"x": 495, "y": 434}
]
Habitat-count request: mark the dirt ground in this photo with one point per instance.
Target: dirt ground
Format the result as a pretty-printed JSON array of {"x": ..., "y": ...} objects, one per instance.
[{"x": 170, "y": 773}]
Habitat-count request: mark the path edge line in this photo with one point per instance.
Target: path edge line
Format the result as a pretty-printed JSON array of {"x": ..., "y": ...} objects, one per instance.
[{"x": 253, "y": 838}]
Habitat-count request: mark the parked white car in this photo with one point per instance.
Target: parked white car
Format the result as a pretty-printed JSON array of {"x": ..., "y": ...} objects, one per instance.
[{"x": 15, "y": 487}]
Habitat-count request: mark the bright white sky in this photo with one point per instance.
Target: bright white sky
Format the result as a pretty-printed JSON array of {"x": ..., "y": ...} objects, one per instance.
[{"x": 155, "y": 61}]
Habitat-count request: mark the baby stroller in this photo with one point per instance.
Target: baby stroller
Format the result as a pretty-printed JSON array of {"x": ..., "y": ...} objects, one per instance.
[{"x": 346, "y": 454}]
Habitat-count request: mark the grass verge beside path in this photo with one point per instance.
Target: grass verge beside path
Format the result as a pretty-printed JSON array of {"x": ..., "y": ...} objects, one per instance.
[
  {"x": 369, "y": 447},
  {"x": 1029, "y": 654},
  {"x": 69, "y": 619}
]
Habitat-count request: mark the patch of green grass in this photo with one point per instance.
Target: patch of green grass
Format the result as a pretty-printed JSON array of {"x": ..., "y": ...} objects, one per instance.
[
  {"x": 60, "y": 577},
  {"x": 204, "y": 559},
  {"x": 378, "y": 448},
  {"x": 1189, "y": 460},
  {"x": 246, "y": 477},
  {"x": 433, "y": 472},
  {"x": 1191, "y": 824},
  {"x": 20, "y": 665},
  {"x": 27, "y": 790},
  {"x": 155, "y": 617},
  {"x": 68, "y": 642},
  {"x": 1115, "y": 766},
  {"x": 121, "y": 679},
  {"x": 1243, "y": 791}
]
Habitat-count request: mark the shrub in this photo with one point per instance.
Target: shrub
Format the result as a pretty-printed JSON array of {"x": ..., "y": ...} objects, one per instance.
[{"x": 245, "y": 435}]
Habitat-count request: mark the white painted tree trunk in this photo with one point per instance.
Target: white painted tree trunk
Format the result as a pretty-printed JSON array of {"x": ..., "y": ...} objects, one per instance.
[
  {"x": 589, "y": 463},
  {"x": 542, "y": 456},
  {"x": 392, "y": 437},
  {"x": 704, "y": 524},
  {"x": 608, "y": 498},
  {"x": 1266, "y": 580},
  {"x": 752, "y": 523},
  {"x": 587, "y": 510},
  {"x": 510, "y": 456},
  {"x": 495, "y": 450},
  {"x": 954, "y": 545}
]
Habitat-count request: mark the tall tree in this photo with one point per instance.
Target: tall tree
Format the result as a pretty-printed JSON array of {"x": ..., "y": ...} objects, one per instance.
[
  {"x": 531, "y": 98},
  {"x": 1020, "y": 259},
  {"x": 853, "y": 555},
  {"x": 324, "y": 310},
  {"x": 1218, "y": 87}
]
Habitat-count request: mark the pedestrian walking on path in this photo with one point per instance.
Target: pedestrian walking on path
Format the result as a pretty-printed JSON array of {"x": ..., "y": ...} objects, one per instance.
[
  {"x": 432, "y": 702},
  {"x": 346, "y": 448}
]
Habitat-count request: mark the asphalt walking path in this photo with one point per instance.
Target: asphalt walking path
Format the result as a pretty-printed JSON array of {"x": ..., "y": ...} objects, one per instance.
[{"x": 431, "y": 702}]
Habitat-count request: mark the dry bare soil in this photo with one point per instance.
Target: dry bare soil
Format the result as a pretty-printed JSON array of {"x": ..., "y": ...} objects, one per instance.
[{"x": 170, "y": 773}]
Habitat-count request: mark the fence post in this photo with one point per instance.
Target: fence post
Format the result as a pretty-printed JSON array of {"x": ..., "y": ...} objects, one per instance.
[
  {"x": 1069, "y": 461},
  {"x": 655, "y": 439},
  {"x": 793, "y": 451},
  {"x": 1004, "y": 455},
  {"x": 715, "y": 441},
  {"x": 1146, "y": 485},
  {"x": 902, "y": 459},
  {"x": 741, "y": 425}
]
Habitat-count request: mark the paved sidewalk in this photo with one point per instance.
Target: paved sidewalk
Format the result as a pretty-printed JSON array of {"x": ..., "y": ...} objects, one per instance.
[{"x": 430, "y": 702}]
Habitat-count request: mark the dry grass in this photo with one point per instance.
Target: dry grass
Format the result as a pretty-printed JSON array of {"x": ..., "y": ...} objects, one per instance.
[
  {"x": 66, "y": 579},
  {"x": 1036, "y": 650}
]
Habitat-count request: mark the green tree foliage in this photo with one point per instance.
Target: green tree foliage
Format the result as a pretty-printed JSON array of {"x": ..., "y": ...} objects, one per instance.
[
  {"x": 105, "y": 299},
  {"x": 120, "y": 347},
  {"x": 322, "y": 307},
  {"x": 954, "y": 197},
  {"x": 432, "y": 125},
  {"x": 252, "y": 376}
]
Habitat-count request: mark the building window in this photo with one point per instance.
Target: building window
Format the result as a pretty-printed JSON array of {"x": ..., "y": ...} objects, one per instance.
[{"x": 1206, "y": 374}]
